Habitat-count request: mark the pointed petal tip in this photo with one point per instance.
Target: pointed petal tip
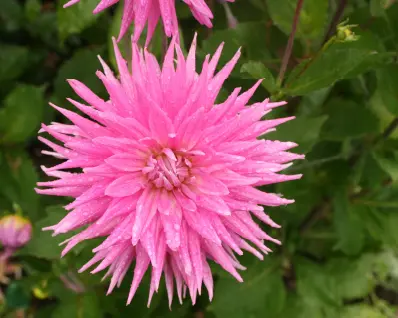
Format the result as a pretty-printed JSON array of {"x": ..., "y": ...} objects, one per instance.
[
  {"x": 48, "y": 228},
  {"x": 288, "y": 201},
  {"x": 277, "y": 242},
  {"x": 238, "y": 278},
  {"x": 119, "y": 38}
]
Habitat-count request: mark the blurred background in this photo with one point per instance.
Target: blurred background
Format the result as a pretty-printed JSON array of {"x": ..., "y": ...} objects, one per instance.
[{"x": 340, "y": 239}]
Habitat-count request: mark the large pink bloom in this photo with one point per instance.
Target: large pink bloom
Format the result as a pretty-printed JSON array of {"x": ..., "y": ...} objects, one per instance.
[
  {"x": 168, "y": 177},
  {"x": 149, "y": 11}
]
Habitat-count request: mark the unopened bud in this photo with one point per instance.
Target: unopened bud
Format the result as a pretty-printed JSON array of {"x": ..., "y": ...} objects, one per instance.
[
  {"x": 15, "y": 231},
  {"x": 345, "y": 33}
]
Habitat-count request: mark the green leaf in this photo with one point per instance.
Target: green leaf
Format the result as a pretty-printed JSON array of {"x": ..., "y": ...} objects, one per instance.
[
  {"x": 13, "y": 61},
  {"x": 32, "y": 9},
  {"x": 16, "y": 296},
  {"x": 372, "y": 175},
  {"x": 379, "y": 224},
  {"x": 316, "y": 288},
  {"x": 311, "y": 102},
  {"x": 349, "y": 228},
  {"x": 245, "y": 36},
  {"x": 375, "y": 53},
  {"x": 257, "y": 70},
  {"x": 81, "y": 66},
  {"x": 262, "y": 291},
  {"x": 11, "y": 191},
  {"x": 388, "y": 164},
  {"x": 22, "y": 114},
  {"x": 340, "y": 125},
  {"x": 76, "y": 18},
  {"x": 303, "y": 130},
  {"x": 354, "y": 277},
  {"x": 392, "y": 22},
  {"x": 387, "y": 87},
  {"x": 42, "y": 244},
  {"x": 312, "y": 21},
  {"x": 85, "y": 305},
  {"x": 11, "y": 15},
  {"x": 377, "y": 7},
  {"x": 18, "y": 172},
  {"x": 362, "y": 310},
  {"x": 328, "y": 66}
]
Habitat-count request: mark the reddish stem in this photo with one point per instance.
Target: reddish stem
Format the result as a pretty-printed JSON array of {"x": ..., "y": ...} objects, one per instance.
[{"x": 289, "y": 47}]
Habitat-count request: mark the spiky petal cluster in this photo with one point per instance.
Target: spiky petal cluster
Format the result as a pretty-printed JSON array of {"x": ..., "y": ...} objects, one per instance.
[
  {"x": 149, "y": 12},
  {"x": 168, "y": 177}
]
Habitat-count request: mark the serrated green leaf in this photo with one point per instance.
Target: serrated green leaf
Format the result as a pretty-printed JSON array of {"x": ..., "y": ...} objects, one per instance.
[
  {"x": 388, "y": 164},
  {"x": 85, "y": 305},
  {"x": 42, "y": 244},
  {"x": 22, "y": 114},
  {"x": 316, "y": 288},
  {"x": 377, "y": 7},
  {"x": 353, "y": 276},
  {"x": 16, "y": 296},
  {"x": 32, "y": 9},
  {"x": 387, "y": 87},
  {"x": 74, "y": 19},
  {"x": 262, "y": 291},
  {"x": 257, "y": 70},
  {"x": 339, "y": 61},
  {"x": 11, "y": 14},
  {"x": 19, "y": 174},
  {"x": 362, "y": 311},
  {"x": 303, "y": 130},
  {"x": 349, "y": 229},
  {"x": 13, "y": 61},
  {"x": 81, "y": 66},
  {"x": 312, "y": 21},
  {"x": 245, "y": 36},
  {"x": 374, "y": 50},
  {"x": 340, "y": 125}
]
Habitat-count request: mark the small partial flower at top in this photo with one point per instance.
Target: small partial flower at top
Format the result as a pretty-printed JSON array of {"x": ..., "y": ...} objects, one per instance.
[
  {"x": 168, "y": 177},
  {"x": 148, "y": 12}
]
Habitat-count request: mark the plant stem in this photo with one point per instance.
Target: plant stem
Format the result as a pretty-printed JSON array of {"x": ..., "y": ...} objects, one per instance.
[
  {"x": 388, "y": 131},
  {"x": 335, "y": 21},
  {"x": 316, "y": 213},
  {"x": 318, "y": 162},
  {"x": 312, "y": 60},
  {"x": 289, "y": 47}
]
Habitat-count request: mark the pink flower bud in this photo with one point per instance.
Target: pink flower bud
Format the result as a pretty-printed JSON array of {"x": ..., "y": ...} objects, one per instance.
[{"x": 15, "y": 231}]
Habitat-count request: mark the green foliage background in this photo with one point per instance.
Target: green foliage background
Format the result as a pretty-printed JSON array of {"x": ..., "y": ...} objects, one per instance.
[{"x": 339, "y": 255}]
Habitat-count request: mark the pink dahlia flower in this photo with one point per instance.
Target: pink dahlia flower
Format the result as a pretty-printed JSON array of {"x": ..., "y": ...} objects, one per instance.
[
  {"x": 149, "y": 12},
  {"x": 168, "y": 177}
]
